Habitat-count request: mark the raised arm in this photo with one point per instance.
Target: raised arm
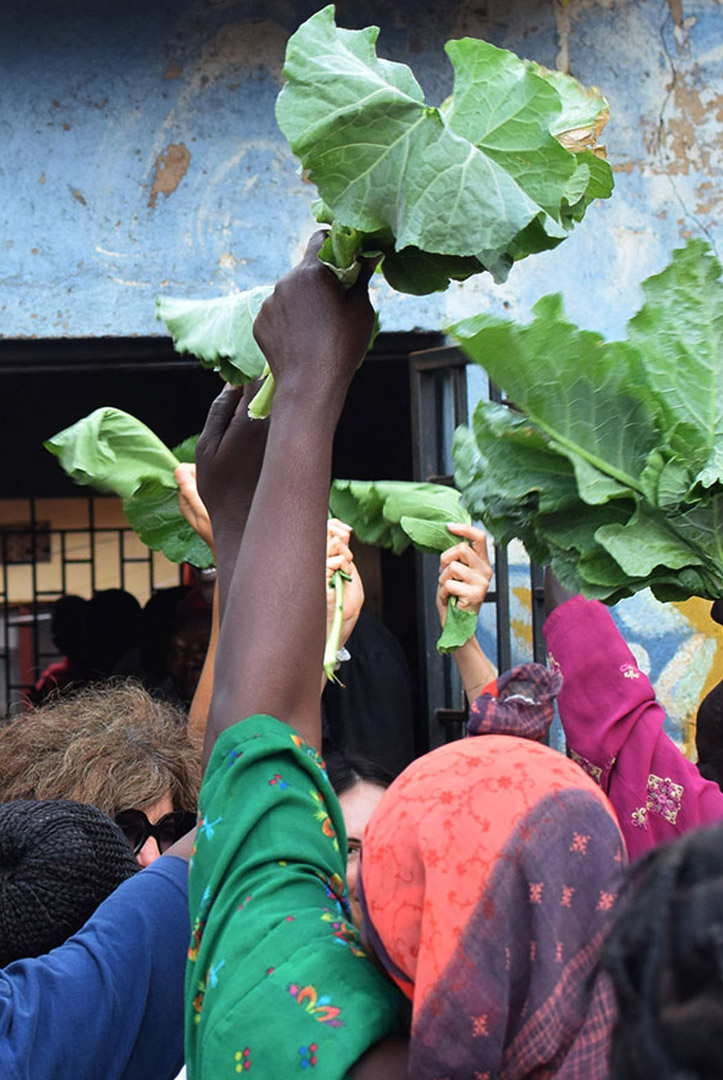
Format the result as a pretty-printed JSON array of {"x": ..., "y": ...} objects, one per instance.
[
  {"x": 614, "y": 728},
  {"x": 314, "y": 335}
]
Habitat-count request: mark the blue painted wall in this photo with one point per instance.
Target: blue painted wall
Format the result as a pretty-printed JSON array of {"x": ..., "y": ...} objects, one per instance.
[{"x": 140, "y": 152}]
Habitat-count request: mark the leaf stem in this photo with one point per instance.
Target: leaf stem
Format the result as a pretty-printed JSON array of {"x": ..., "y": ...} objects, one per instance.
[
  {"x": 333, "y": 641},
  {"x": 260, "y": 404}
]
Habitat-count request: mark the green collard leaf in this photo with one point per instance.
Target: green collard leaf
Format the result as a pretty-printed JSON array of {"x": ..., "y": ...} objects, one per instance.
[
  {"x": 421, "y": 272},
  {"x": 153, "y": 513},
  {"x": 186, "y": 451},
  {"x": 422, "y": 502},
  {"x": 584, "y": 111},
  {"x": 111, "y": 451},
  {"x": 507, "y": 452},
  {"x": 465, "y": 180},
  {"x": 459, "y": 626},
  {"x": 431, "y": 537},
  {"x": 637, "y": 424},
  {"x": 679, "y": 331},
  {"x": 360, "y": 504},
  {"x": 583, "y": 394},
  {"x": 393, "y": 513},
  {"x": 219, "y": 332}
]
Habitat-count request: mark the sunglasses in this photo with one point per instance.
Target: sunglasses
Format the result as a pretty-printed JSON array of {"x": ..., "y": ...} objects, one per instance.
[{"x": 137, "y": 828}]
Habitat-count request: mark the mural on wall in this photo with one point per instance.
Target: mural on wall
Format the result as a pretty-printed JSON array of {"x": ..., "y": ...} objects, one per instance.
[{"x": 678, "y": 646}]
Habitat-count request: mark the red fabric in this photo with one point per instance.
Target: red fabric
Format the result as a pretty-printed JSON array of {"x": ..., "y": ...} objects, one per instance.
[{"x": 489, "y": 871}]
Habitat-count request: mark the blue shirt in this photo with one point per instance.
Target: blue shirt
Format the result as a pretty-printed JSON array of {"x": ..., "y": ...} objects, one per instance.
[{"x": 107, "y": 1004}]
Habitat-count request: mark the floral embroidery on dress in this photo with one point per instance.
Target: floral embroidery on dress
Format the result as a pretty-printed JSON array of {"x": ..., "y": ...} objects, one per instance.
[
  {"x": 318, "y": 1007},
  {"x": 196, "y": 935},
  {"x": 321, "y": 814},
  {"x": 629, "y": 671},
  {"x": 201, "y": 988},
  {"x": 553, "y": 665},
  {"x": 344, "y": 933},
  {"x": 243, "y": 1060},
  {"x": 308, "y": 1055},
  {"x": 579, "y": 843},
  {"x": 664, "y": 797},
  {"x": 302, "y": 744},
  {"x": 595, "y": 771},
  {"x": 639, "y": 818},
  {"x": 207, "y": 827},
  {"x": 479, "y": 1026},
  {"x": 278, "y": 781}
]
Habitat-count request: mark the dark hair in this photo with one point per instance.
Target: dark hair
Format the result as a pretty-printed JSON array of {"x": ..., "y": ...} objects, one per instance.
[
  {"x": 345, "y": 770},
  {"x": 664, "y": 954},
  {"x": 58, "y": 861},
  {"x": 709, "y": 735}
]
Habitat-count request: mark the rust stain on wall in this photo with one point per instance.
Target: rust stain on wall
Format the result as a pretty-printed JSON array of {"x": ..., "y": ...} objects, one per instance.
[
  {"x": 171, "y": 167},
  {"x": 676, "y": 11},
  {"x": 173, "y": 71},
  {"x": 79, "y": 196}
]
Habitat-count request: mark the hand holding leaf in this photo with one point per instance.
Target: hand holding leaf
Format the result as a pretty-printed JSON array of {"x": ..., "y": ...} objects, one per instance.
[{"x": 465, "y": 572}]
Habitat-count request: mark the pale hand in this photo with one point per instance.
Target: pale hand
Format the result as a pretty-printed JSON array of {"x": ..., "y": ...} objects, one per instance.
[{"x": 465, "y": 571}]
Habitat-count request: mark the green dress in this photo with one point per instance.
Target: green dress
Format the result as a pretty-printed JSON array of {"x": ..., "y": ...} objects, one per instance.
[{"x": 277, "y": 983}]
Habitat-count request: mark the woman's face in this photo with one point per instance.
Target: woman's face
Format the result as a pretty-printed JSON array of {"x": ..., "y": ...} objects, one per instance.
[
  {"x": 149, "y": 852},
  {"x": 358, "y": 804}
]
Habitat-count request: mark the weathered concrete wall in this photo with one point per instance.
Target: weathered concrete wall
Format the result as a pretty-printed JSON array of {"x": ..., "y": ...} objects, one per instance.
[{"x": 139, "y": 151}]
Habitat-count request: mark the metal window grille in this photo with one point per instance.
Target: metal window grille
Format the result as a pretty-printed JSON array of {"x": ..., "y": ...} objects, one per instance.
[
  {"x": 439, "y": 405},
  {"x": 115, "y": 553}
]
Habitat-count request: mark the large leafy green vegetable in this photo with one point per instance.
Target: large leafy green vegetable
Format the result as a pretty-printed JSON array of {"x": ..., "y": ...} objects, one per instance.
[
  {"x": 394, "y": 513},
  {"x": 501, "y": 170},
  {"x": 111, "y": 451},
  {"x": 442, "y": 192},
  {"x": 219, "y": 331},
  {"x": 612, "y": 471}
]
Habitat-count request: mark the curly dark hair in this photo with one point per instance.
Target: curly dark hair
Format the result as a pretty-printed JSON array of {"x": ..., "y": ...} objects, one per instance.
[
  {"x": 664, "y": 954},
  {"x": 111, "y": 745}
]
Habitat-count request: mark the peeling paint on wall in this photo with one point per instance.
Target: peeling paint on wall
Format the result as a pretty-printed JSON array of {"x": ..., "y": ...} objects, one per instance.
[
  {"x": 171, "y": 167},
  {"x": 178, "y": 100}
]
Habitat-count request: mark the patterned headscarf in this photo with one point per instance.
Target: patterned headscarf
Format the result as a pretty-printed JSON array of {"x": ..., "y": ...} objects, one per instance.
[{"x": 489, "y": 872}]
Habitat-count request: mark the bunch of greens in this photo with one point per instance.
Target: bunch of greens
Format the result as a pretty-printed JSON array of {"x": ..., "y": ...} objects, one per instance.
[
  {"x": 111, "y": 451},
  {"x": 503, "y": 169},
  {"x": 394, "y": 514},
  {"x": 612, "y": 470}
]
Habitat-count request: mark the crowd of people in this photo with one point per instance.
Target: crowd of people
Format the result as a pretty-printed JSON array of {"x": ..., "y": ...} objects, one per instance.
[{"x": 216, "y": 887}]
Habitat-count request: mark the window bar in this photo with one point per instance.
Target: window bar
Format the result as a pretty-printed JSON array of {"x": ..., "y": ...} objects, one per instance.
[
  {"x": 63, "y": 567},
  {"x": 34, "y": 579},
  {"x": 537, "y": 592},
  {"x": 6, "y": 620},
  {"x": 502, "y": 608},
  {"x": 121, "y": 557},
  {"x": 91, "y": 532}
]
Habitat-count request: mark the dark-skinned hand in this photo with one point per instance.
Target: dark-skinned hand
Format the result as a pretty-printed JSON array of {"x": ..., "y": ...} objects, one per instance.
[
  {"x": 306, "y": 355},
  {"x": 229, "y": 455}
]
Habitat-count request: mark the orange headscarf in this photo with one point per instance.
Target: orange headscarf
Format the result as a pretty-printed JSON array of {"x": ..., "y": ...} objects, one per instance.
[{"x": 489, "y": 869}]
